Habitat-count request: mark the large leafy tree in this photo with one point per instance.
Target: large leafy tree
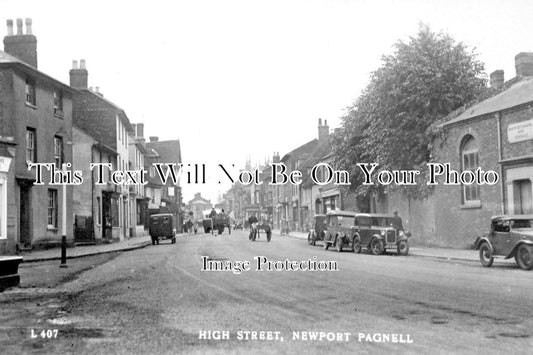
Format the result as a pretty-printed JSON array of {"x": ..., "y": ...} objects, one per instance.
[{"x": 421, "y": 82}]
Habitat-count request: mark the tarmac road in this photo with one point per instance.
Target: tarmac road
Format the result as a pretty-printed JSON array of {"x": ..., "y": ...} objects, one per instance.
[{"x": 158, "y": 300}]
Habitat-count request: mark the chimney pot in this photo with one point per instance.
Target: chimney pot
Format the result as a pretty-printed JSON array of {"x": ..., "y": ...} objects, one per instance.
[
  {"x": 19, "y": 27},
  {"x": 74, "y": 64},
  {"x": 82, "y": 63},
  {"x": 320, "y": 122},
  {"x": 97, "y": 89},
  {"x": 497, "y": 79},
  {"x": 9, "y": 27},
  {"x": 90, "y": 88},
  {"x": 524, "y": 64},
  {"x": 28, "y": 26},
  {"x": 325, "y": 122}
]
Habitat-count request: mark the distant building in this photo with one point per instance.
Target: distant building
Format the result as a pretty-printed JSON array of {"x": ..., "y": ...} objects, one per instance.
[{"x": 198, "y": 205}]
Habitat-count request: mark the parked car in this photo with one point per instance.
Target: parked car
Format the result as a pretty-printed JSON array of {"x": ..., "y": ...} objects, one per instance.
[
  {"x": 162, "y": 226},
  {"x": 378, "y": 233},
  {"x": 338, "y": 229},
  {"x": 509, "y": 236},
  {"x": 317, "y": 229}
]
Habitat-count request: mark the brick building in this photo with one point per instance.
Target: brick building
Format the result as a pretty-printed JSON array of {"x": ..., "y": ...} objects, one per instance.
[
  {"x": 108, "y": 124},
  {"x": 35, "y": 126},
  {"x": 494, "y": 134}
]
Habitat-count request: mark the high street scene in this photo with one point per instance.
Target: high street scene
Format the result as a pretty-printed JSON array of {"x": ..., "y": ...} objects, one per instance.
[{"x": 266, "y": 177}]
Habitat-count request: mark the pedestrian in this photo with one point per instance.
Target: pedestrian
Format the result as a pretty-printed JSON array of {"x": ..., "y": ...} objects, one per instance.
[{"x": 397, "y": 222}]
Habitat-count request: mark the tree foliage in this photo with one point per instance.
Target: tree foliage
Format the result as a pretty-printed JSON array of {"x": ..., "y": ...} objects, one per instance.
[{"x": 421, "y": 82}]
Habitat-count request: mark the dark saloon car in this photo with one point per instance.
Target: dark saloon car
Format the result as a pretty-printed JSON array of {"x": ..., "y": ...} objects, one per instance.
[
  {"x": 379, "y": 233},
  {"x": 317, "y": 229},
  {"x": 162, "y": 226},
  {"x": 509, "y": 236},
  {"x": 338, "y": 229}
]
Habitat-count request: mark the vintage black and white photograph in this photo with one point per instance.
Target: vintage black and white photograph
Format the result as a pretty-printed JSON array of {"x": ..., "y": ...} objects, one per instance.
[{"x": 266, "y": 177}]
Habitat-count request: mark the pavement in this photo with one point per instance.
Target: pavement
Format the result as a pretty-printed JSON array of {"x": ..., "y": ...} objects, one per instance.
[
  {"x": 87, "y": 250},
  {"x": 143, "y": 241},
  {"x": 435, "y": 253}
]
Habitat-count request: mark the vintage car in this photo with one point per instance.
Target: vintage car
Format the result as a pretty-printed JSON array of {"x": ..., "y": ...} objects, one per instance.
[
  {"x": 379, "y": 233},
  {"x": 218, "y": 223},
  {"x": 317, "y": 229},
  {"x": 338, "y": 229},
  {"x": 162, "y": 226},
  {"x": 509, "y": 236}
]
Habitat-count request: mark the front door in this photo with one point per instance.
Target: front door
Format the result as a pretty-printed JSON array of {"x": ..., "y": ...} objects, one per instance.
[
  {"x": 107, "y": 227},
  {"x": 25, "y": 216}
]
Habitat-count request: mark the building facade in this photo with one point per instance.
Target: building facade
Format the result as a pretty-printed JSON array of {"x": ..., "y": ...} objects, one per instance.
[
  {"x": 35, "y": 127},
  {"x": 495, "y": 134},
  {"x": 108, "y": 124}
]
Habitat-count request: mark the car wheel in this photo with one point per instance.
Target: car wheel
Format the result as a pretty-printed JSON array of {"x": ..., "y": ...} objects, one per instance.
[
  {"x": 485, "y": 255},
  {"x": 376, "y": 246},
  {"x": 524, "y": 257},
  {"x": 356, "y": 245},
  {"x": 403, "y": 247},
  {"x": 338, "y": 244}
]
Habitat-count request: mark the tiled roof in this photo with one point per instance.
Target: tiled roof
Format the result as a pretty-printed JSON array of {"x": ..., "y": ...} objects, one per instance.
[
  {"x": 169, "y": 151},
  {"x": 518, "y": 94},
  {"x": 8, "y": 59}
]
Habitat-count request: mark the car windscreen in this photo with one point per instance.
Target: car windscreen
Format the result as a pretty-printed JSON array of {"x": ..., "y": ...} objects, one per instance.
[{"x": 346, "y": 221}]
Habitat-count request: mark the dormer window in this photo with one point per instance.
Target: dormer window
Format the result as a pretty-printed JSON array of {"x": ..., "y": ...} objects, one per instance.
[
  {"x": 58, "y": 103},
  {"x": 30, "y": 92}
]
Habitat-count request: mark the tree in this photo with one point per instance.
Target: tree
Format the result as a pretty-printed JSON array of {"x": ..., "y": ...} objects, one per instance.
[{"x": 421, "y": 82}]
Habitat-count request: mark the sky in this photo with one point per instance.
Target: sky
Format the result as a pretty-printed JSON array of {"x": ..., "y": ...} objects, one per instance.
[{"x": 238, "y": 79}]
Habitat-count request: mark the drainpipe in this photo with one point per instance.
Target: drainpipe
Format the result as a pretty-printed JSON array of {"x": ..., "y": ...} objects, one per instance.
[{"x": 500, "y": 157}]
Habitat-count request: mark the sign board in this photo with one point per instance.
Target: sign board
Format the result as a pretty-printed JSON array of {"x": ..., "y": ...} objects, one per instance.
[
  {"x": 4, "y": 164},
  {"x": 521, "y": 131}
]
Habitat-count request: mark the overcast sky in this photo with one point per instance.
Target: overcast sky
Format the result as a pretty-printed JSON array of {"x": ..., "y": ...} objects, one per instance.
[{"x": 233, "y": 79}]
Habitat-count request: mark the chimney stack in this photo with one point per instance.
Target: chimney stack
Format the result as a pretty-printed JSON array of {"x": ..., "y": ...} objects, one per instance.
[
  {"x": 23, "y": 46},
  {"x": 78, "y": 76},
  {"x": 323, "y": 130},
  {"x": 154, "y": 139},
  {"x": 275, "y": 158},
  {"x": 497, "y": 79},
  {"x": 139, "y": 130},
  {"x": 524, "y": 64}
]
